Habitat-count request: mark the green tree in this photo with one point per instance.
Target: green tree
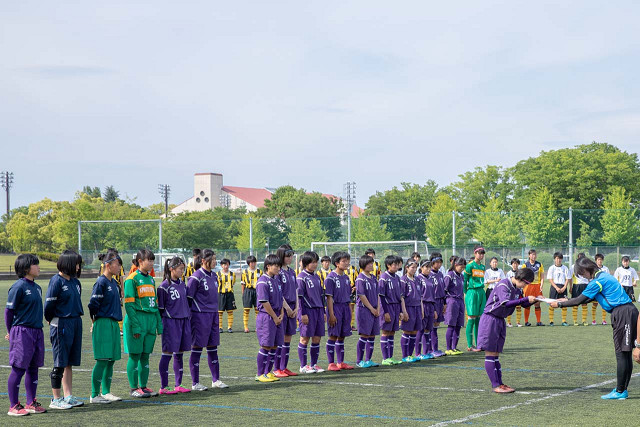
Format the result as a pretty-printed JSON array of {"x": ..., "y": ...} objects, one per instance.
[
  {"x": 243, "y": 237},
  {"x": 439, "y": 223},
  {"x": 480, "y": 184},
  {"x": 585, "y": 239},
  {"x": 619, "y": 222},
  {"x": 110, "y": 194},
  {"x": 494, "y": 226},
  {"x": 542, "y": 224},
  {"x": 91, "y": 192},
  {"x": 368, "y": 228},
  {"x": 304, "y": 232},
  {"x": 215, "y": 228}
]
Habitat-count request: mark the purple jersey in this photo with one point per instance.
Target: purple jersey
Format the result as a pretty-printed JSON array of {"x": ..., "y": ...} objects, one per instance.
[
  {"x": 427, "y": 287},
  {"x": 202, "y": 289},
  {"x": 437, "y": 278},
  {"x": 338, "y": 286},
  {"x": 389, "y": 288},
  {"x": 503, "y": 292},
  {"x": 172, "y": 299},
  {"x": 268, "y": 290},
  {"x": 309, "y": 290},
  {"x": 454, "y": 285},
  {"x": 410, "y": 291},
  {"x": 367, "y": 286},
  {"x": 288, "y": 285}
]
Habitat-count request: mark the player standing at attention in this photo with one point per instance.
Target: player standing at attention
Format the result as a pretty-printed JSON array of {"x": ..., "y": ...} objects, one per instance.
[
  {"x": 325, "y": 269},
  {"x": 269, "y": 318},
  {"x": 63, "y": 311},
  {"x": 352, "y": 273},
  {"x": 202, "y": 295},
  {"x": 475, "y": 297},
  {"x": 535, "y": 287},
  {"x": 515, "y": 265},
  {"x": 437, "y": 279},
  {"x": 454, "y": 315},
  {"x": 23, "y": 318},
  {"x": 141, "y": 324},
  {"x": 624, "y": 318},
  {"x": 411, "y": 291},
  {"x": 600, "y": 262},
  {"x": 105, "y": 310},
  {"x": 311, "y": 314},
  {"x": 559, "y": 278},
  {"x": 338, "y": 294},
  {"x": 118, "y": 277},
  {"x": 579, "y": 285},
  {"x": 191, "y": 266},
  {"x": 493, "y": 275},
  {"x": 493, "y": 332},
  {"x": 227, "y": 300},
  {"x": 416, "y": 257},
  {"x": 627, "y": 276},
  {"x": 392, "y": 308},
  {"x": 176, "y": 326},
  {"x": 287, "y": 281},
  {"x": 367, "y": 312},
  {"x": 427, "y": 289},
  {"x": 248, "y": 281}
]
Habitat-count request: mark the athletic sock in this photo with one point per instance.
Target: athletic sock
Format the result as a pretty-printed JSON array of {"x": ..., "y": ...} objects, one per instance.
[
  {"x": 629, "y": 367},
  {"x": 390, "y": 345},
  {"x": 272, "y": 360},
  {"x": 284, "y": 355},
  {"x": 163, "y": 369},
  {"x": 538, "y": 311},
  {"x": 574, "y": 313},
  {"x": 107, "y": 376},
  {"x": 245, "y": 318},
  {"x": 278, "y": 360},
  {"x": 178, "y": 368},
  {"x": 469, "y": 332},
  {"x": 384, "y": 347},
  {"x": 214, "y": 365},
  {"x": 527, "y": 311},
  {"x": 594, "y": 306},
  {"x": 96, "y": 376},
  {"x": 369, "y": 348},
  {"x": 13, "y": 385},
  {"x": 412, "y": 343},
  {"x": 456, "y": 337},
  {"x": 490, "y": 367},
  {"x": 262, "y": 360},
  {"x": 315, "y": 352},
  {"x": 353, "y": 317},
  {"x": 132, "y": 370},
  {"x": 340, "y": 352},
  {"x": 476, "y": 329},
  {"x": 604, "y": 316},
  {"x": 434, "y": 339},
  {"x": 331, "y": 349},
  {"x": 418, "y": 342},
  {"x": 449, "y": 337},
  {"x": 220, "y": 318},
  {"x": 362, "y": 343},
  {"x": 31, "y": 383},
  {"x": 426, "y": 342},
  {"x": 194, "y": 365},
  {"x": 404, "y": 345},
  {"x": 551, "y": 315},
  {"x": 143, "y": 370},
  {"x": 564, "y": 314},
  {"x": 519, "y": 315},
  {"x": 584, "y": 313},
  {"x": 230, "y": 319},
  {"x": 302, "y": 354},
  {"x": 498, "y": 370}
]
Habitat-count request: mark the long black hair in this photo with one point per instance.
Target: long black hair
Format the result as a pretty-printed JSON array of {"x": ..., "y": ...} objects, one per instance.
[
  {"x": 204, "y": 255},
  {"x": 170, "y": 263}
]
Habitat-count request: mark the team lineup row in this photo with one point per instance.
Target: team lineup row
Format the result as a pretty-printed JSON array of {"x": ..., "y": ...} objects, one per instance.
[{"x": 187, "y": 317}]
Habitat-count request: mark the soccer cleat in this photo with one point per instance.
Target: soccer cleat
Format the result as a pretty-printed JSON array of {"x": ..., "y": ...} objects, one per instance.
[
  {"x": 138, "y": 392},
  {"x": 584, "y": 324},
  {"x": 527, "y": 324},
  {"x": 271, "y": 376},
  {"x": 565, "y": 324},
  {"x": 507, "y": 388},
  {"x": 99, "y": 399},
  {"x": 519, "y": 325},
  {"x": 149, "y": 391},
  {"x": 290, "y": 373},
  {"x": 280, "y": 374},
  {"x": 17, "y": 410},
  {"x": 576, "y": 324},
  {"x": 111, "y": 397},
  {"x": 426, "y": 356},
  {"x": 353, "y": 329},
  {"x": 509, "y": 325},
  {"x": 181, "y": 389},
  {"x": 218, "y": 384},
  {"x": 614, "y": 395},
  {"x": 362, "y": 364},
  {"x": 539, "y": 324},
  {"x": 168, "y": 391},
  {"x": 593, "y": 323},
  {"x": 59, "y": 404},
  {"x": 307, "y": 370},
  {"x": 371, "y": 364},
  {"x": 264, "y": 379},
  {"x": 450, "y": 352},
  {"x": 551, "y": 324},
  {"x": 604, "y": 322},
  {"x": 396, "y": 361},
  {"x": 333, "y": 367},
  {"x": 317, "y": 369},
  {"x": 198, "y": 387},
  {"x": 387, "y": 362},
  {"x": 230, "y": 330},
  {"x": 457, "y": 352},
  {"x": 71, "y": 400},
  {"x": 409, "y": 359},
  {"x": 345, "y": 366},
  {"x": 476, "y": 350},
  {"x": 246, "y": 331},
  {"x": 35, "y": 408}
]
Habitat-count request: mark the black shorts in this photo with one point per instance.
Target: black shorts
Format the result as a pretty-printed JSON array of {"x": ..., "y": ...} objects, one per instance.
[
  {"x": 249, "y": 298},
  {"x": 353, "y": 298},
  {"x": 553, "y": 294},
  {"x": 226, "y": 301},
  {"x": 624, "y": 321},
  {"x": 629, "y": 291},
  {"x": 577, "y": 289},
  {"x": 488, "y": 292}
]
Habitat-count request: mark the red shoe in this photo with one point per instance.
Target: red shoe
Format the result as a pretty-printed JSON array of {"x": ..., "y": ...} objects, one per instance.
[
  {"x": 333, "y": 367},
  {"x": 17, "y": 410},
  {"x": 345, "y": 366},
  {"x": 290, "y": 373},
  {"x": 35, "y": 408},
  {"x": 280, "y": 374},
  {"x": 501, "y": 389},
  {"x": 507, "y": 388}
]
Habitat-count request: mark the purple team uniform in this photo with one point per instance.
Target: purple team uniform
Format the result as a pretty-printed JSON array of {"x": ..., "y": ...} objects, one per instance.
[
  {"x": 268, "y": 290},
  {"x": 310, "y": 295},
  {"x": 390, "y": 300},
  {"x": 428, "y": 301},
  {"x": 412, "y": 302},
  {"x": 289, "y": 286},
  {"x": 454, "y": 291},
  {"x": 502, "y": 302},
  {"x": 368, "y": 287},
  {"x": 62, "y": 309},
  {"x": 339, "y": 288},
  {"x": 176, "y": 327},
  {"x": 24, "y": 324},
  {"x": 437, "y": 278},
  {"x": 202, "y": 292}
]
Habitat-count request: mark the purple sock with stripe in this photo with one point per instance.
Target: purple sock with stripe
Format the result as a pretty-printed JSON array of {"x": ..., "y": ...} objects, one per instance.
[
  {"x": 178, "y": 368},
  {"x": 163, "y": 368},
  {"x": 194, "y": 365},
  {"x": 262, "y": 360},
  {"x": 384, "y": 347},
  {"x": 302, "y": 355},
  {"x": 331, "y": 350},
  {"x": 340, "y": 351},
  {"x": 315, "y": 353},
  {"x": 362, "y": 343}
]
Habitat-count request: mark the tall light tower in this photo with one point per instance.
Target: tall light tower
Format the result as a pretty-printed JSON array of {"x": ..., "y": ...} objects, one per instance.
[
  {"x": 350, "y": 198},
  {"x": 6, "y": 180},
  {"x": 165, "y": 190}
]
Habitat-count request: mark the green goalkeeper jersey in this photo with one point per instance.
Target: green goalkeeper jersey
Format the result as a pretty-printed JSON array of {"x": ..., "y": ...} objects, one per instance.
[
  {"x": 474, "y": 276},
  {"x": 140, "y": 292}
]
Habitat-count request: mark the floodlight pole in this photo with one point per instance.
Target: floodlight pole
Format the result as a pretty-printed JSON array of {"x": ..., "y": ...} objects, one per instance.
[
  {"x": 160, "y": 236},
  {"x": 350, "y": 194},
  {"x": 453, "y": 231},
  {"x": 165, "y": 190},
  {"x": 250, "y": 236},
  {"x": 6, "y": 179},
  {"x": 570, "y": 235}
]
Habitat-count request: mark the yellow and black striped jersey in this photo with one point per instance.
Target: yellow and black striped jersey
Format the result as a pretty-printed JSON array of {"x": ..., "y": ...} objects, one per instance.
[
  {"x": 352, "y": 272},
  {"x": 376, "y": 270},
  {"x": 118, "y": 277},
  {"x": 322, "y": 274},
  {"x": 226, "y": 281},
  {"x": 298, "y": 270},
  {"x": 189, "y": 271},
  {"x": 249, "y": 277}
]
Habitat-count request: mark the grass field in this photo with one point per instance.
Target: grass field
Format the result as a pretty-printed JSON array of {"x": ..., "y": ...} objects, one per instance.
[
  {"x": 7, "y": 262},
  {"x": 559, "y": 372}
]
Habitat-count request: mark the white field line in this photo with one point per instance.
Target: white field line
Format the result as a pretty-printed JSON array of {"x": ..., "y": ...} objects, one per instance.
[{"x": 527, "y": 402}]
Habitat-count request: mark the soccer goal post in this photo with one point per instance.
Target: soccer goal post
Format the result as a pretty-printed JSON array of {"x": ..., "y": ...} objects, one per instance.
[{"x": 403, "y": 248}]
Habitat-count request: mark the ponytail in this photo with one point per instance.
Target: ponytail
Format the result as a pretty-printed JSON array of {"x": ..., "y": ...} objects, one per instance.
[{"x": 170, "y": 264}]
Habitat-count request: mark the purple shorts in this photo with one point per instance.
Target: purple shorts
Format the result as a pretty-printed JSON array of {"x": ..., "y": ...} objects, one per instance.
[
  {"x": 342, "y": 328},
  {"x": 394, "y": 313},
  {"x": 26, "y": 347},
  {"x": 315, "y": 326},
  {"x": 492, "y": 331},
  {"x": 427, "y": 321},
  {"x": 454, "y": 315},
  {"x": 66, "y": 341},
  {"x": 439, "y": 308},
  {"x": 176, "y": 335},
  {"x": 269, "y": 335},
  {"x": 415, "y": 319},
  {"x": 289, "y": 324},
  {"x": 367, "y": 324},
  {"x": 205, "y": 331}
]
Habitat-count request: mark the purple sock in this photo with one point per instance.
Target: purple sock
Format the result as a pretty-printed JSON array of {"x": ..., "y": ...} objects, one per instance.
[
  {"x": 302, "y": 355},
  {"x": 499, "y": 370},
  {"x": 390, "y": 346},
  {"x": 331, "y": 350},
  {"x": 426, "y": 342},
  {"x": 178, "y": 368},
  {"x": 384, "y": 347},
  {"x": 284, "y": 357},
  {"x": 418, "y": 342},
  {"x": 278, "y": 360},
  {"x": 272, "y": 360},
  {"x": 404, "y": 344},
  {"x": 490, "y": 367},
  {"x": 362, "y": 343},
  {"x": 456, "y": 337},
  {"x": 194, "y": 365},
  {"x": 163, "y": 368},
  {"x": 263, "y": 358},
  {"x": 369, "y": 348},
  {"x": 315, "y": 352},
  {"x": 31, "y": 383},
  {"x": 449, "y": 337},
  {"x": 434, "y": 339},
  {"x": 340, "y": 351},
  {"x": 412, "y": 343},
  {"x": 13, "y": 384},
  {"x": 214, "y": 366}
]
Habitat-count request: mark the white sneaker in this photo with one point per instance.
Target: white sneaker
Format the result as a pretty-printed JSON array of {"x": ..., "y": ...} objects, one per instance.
[
  {"x": 111, "y": 397},
  {"x": 307, "y": 370},
  {"x": 99, "y": 399},
  {"x": 59, "y": 404},
  {"x": 219, "y": 384},
  {"x": 317, "y": 369},
  {"x": 198, "y": 387}
]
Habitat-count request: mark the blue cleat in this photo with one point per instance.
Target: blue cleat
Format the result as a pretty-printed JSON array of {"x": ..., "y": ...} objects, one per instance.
[
  {"x": 371, "y": 364},
  {"x": 614, "y": 395},
  {"x": 362, "y": 364}
]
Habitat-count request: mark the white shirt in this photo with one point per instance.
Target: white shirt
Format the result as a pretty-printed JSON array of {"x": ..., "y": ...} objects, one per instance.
[
  {"x": 626, "y": 276},
  {"x": 579, "y": 279},
  {"x": 558, "y": 275},
  {"x": 493, "y": 275},
  {"x": 510, "y": 274},
  {"x": 605, "y": 269}
]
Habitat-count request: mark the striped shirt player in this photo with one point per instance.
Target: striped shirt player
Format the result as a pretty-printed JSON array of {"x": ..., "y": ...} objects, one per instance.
[
  {"x": 227, "y": 299},
  {"x": 353, "y": 272},
  {"x": 248, "y": 281},
  {"x": 534, "y": 288},
  {"x": 578, "y": 286},
  {"x": 322, "y": 274}
]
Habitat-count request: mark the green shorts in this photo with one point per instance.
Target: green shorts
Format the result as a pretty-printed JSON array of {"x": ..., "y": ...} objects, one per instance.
[
  {"x": 147, "y": 339},
  {"x": 475, "y": 299},
  {"x": 106, "y": 339}
]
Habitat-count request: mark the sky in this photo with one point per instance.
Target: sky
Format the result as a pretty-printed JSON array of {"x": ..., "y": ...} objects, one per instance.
[{"x": 312, "y": 94}]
